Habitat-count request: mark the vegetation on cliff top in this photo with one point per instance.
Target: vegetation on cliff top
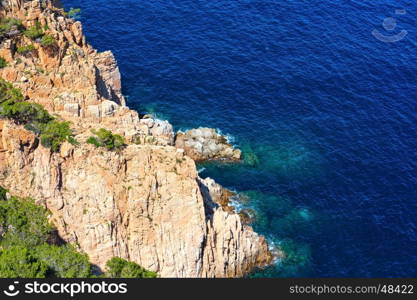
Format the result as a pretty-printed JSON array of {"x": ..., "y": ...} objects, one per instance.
[
  {"x": 37, "y": 33},
  {"x": 34, "y": 32},
  {"x": 25, "y": 49},
  {"x": 25, "y": 250},
  {"x": 10, "y": 26},
  {"x": 106, "y": 139},
  {"x": 52, "y": 133},
  {"x": 48, "y": 40}
]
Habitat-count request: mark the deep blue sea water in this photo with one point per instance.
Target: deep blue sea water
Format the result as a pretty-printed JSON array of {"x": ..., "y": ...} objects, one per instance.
[{"x": 325, "y": 112}]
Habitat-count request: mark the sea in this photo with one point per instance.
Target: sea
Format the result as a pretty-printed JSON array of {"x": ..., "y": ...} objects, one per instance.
[{"x": 321, "y": 96}]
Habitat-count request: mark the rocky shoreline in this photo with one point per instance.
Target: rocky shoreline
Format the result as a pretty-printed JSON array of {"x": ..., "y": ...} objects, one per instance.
[{"x": 145, "y": 203}]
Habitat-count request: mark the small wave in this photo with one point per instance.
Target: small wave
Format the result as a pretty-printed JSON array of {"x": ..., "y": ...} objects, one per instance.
[
  {"x": 238, "y": 201},
  {"x": 276, "y": 251},
  {"x": 229, "y": 138},
  {"x": 201, "y": 170}
]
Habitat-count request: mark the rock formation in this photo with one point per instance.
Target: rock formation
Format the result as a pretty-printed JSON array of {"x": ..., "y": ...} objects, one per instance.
[
  {"x": 145, "y": 203},
  {"x": 203, "y": 144}
]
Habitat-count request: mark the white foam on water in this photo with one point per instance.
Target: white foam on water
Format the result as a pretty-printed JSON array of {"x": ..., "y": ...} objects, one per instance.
[{"x": 201, "y": 170}]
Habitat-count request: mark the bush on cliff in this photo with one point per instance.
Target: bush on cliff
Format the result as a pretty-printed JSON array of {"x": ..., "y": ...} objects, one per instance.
[
  {"x": 19, "y": 262},
  {"x": 25, "y": 252},
  {"x": 3, "y": 194},
  {"x": 25, "y": 49},
  {"x": 24, "y": 112},
  {"x": 3, "y": 63},
  {"x": 121, "y": 268},
  {"x": 23, "y": 223},
  {"x": 35, "y": 32},
  {"x": 64, "y": 261},
  {"x": 48, "y": 40},
  {"x": 8, "y": 92},
  {"x": 25, "y": 231},
  {"x": 52, "y": 133},
  {"x": 43, "y": 261},
  {"x": 105, "y": 138},
  {"x": 9, "y": 25}
]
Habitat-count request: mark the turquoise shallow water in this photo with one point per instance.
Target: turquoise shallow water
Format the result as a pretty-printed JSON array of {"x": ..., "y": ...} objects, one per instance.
[{"x": 324, "y": 111}]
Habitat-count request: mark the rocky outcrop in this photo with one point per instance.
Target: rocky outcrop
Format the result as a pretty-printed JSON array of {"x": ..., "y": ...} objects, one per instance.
[
  {"x": 70, "y": 71},
  {"x": 206, "y": 144},
  {"x": 162, "y": 130},
  {"x": 71, "y": 79},
  {"x": 145, "y": 203}
]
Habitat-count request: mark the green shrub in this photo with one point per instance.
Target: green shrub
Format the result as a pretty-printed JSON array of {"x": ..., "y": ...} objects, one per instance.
[
  {"x": 35, "y": 32},
  {"x": 23, "y": 222},
  {"x": 54, "y": 133},
  {"x": 105, "y": 138},
  {"x": 34, "y": 118},
  {"x": 3, "y": 193},
  {"x": 64, "y": 261},
  {"x": 121, "y": 268},
  {"x": 94, "y": 141},
  {"x": 8, "y": 92},
  {"x": 48, "y": 40},
  {"x": 73, "y": 12},
  {"x": 25, "y": 252},
  {"x": 19, "y": 262},
  {"x": 23, "y": 243},
  {"x": 9, "y": 24},
  {"x": 26, "y": 49},
  {"x": 3, "y": 63},
  {"x": 24, "y": 112}
]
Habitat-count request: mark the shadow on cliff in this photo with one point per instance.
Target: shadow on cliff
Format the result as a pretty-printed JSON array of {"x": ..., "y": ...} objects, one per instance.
[
  {"x": 209, "y": 205},
  {"x": 56, "y": 240}
]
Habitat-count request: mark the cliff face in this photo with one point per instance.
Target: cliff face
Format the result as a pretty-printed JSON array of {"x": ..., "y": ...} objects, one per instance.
[{"x": 145, "y": 203}]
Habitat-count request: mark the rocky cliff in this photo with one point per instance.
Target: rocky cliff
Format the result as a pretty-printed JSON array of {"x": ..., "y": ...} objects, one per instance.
[{"x": 145, "y": 203}]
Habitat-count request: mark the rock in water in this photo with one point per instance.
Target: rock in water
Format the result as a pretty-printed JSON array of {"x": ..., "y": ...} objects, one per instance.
[{"x": 203, "y": 144}]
